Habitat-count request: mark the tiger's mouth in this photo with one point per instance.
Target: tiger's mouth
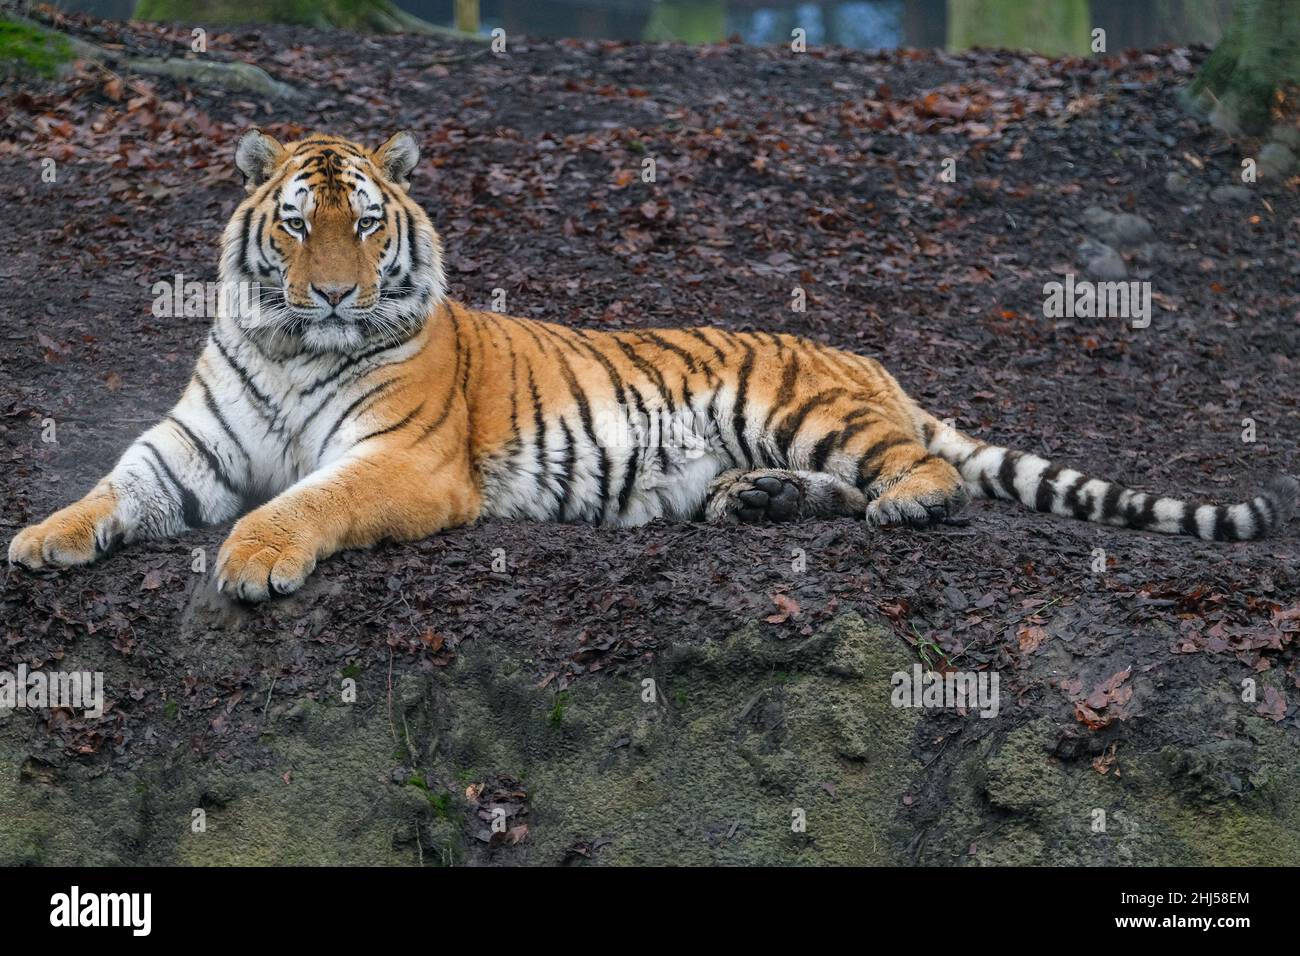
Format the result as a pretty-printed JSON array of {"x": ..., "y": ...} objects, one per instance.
[
  {"x": 390, "y": 313},
  {"x": 327, "y": 314},
  {"x": 345, "y": 330}
]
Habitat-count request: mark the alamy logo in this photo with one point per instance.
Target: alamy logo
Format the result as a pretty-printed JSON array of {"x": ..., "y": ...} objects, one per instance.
[
  {"x": 103, "y": 909},
  {"x": 968, "y": 690},
  {"x": 684, "y": 429},
  {"x": 77, "y": 690},
  {"x": 193, "y": 299},
  {"x": 1084, "y": 299}
]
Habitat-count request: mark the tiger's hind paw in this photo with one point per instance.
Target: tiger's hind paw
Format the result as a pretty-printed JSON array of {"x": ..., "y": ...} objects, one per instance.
[{"x": 755, "y": 497}]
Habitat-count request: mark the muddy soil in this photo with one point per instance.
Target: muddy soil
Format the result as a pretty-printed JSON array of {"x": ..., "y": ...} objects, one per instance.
[{"x": 680, "y": 693}]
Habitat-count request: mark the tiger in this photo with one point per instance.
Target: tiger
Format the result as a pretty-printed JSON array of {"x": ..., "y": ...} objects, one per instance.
[{"x": 351, "y": 401}]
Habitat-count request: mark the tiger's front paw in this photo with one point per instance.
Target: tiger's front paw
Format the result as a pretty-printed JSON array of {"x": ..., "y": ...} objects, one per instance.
[
  {"x": 77, "y": 534},
  {"x": 922, "y": 511},
  {"x": 264, "y": 556}
]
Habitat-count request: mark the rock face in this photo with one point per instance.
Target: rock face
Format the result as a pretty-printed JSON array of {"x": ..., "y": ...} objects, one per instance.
[{"x": 750, "y": 750}]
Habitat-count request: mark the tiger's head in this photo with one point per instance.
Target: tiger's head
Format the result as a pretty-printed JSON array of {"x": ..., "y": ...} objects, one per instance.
[{"x": 342, "y": 258}]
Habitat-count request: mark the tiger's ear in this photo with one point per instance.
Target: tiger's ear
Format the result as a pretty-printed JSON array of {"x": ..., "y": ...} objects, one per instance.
[
  {"x": 257, "y": 155},
  {"x": 397, "y": 157}
]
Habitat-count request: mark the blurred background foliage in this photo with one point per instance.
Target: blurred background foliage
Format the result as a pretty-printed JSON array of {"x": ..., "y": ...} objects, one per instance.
[
  {"x": 1046, "y": 26},
  {"x": 1250, "y": 79}
]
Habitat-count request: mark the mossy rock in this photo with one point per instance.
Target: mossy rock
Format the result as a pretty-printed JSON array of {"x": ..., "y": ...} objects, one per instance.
[{"x": 752, "y": 749}]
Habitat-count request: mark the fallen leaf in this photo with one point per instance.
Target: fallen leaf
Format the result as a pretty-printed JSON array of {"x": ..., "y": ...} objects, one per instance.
[
  {"x": 788, "y": 608},
  {"x": 1273, "y": 705},
  {"x": 1030, "y": 638}
]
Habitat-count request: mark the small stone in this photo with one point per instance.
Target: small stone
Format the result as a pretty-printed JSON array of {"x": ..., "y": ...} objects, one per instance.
[
  {"x": 1102, "y": 262},
  {"x": 1128, "y": 230},
  {"x": 1288, "y": 136},
  {"x": 1067, "y": 747},
  {"x": 1118, "y": 230},
  {"x": 1096, "y": 218},
  {"x": 1155, "y": 253},
  {"x": 1109, "y": 268},
  {"x": 1275, "y": 161},
  {"x": 218, "y": 794},
  {"x": 1230, "y": 194},
  {"x": 1176, "y": 184}
]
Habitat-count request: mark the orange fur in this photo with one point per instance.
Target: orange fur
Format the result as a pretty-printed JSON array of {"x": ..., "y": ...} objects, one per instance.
[
  {"x": 67, "y": 537},
  {"x": 423, "y": 477}
]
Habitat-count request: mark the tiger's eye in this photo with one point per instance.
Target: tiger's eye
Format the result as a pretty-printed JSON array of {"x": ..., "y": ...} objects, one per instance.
[
  {"x": 295, "y": 224},
  {"x": 367, "y": 222}
]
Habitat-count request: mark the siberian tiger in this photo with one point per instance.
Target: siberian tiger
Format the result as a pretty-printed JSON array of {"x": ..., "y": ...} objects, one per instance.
[{"x": 356, "y": 402}]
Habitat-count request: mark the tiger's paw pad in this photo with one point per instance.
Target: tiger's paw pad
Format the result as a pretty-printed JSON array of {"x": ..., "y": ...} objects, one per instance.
[
  {"x": 259, "y": 560},
  {"x": 756, "y": 497}
]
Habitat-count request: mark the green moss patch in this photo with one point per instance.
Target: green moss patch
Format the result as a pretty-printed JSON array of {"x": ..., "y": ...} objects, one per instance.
[{"x": 27, "y": 49}]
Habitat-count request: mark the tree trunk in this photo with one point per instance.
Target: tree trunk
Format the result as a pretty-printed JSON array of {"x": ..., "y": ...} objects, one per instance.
[
  {"x": 1054, "y": 29},
  {"x": 697, "y": 21},
  {"x": 467, "y": 16},
  {"x": 1258, "y": 56}
]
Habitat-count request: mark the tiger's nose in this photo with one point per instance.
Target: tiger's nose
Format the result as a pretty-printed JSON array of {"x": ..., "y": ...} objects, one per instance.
[{"x": 333, "y": 294}]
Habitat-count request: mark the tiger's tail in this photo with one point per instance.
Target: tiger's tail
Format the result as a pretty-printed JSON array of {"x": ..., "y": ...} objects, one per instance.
[{"x": 990, "y": 471}]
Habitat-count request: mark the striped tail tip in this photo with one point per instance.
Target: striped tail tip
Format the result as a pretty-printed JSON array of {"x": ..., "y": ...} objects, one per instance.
[
  {"x": 991, "y": 471},
  {"x": 1259, "y": 517}
]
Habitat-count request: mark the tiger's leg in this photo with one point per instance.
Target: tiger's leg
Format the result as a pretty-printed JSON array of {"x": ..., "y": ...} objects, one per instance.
[
  {"x": 771, "y": 494},
  {"x": 186, "y": 472},
  {"x": 356, "y": 502}
]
